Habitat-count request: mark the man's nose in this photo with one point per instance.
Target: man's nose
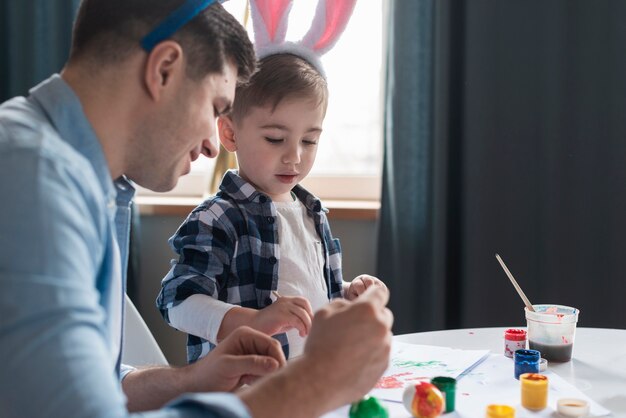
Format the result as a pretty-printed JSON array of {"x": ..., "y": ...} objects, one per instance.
[{"x": 209, "y": 146}]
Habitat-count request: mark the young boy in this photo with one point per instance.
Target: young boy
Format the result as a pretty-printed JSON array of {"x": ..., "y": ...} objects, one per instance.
[{"x": 260, "y": 253}]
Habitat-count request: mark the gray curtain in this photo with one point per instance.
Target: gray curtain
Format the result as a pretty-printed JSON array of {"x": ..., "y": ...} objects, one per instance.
[
  {"x": 412, "y": 237},
  {"x": 35, "y": 38},
  {"x": 505, "y": 132}
]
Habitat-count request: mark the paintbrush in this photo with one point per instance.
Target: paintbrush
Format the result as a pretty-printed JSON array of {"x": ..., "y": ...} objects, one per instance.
[{"x": 515, "y": 285}]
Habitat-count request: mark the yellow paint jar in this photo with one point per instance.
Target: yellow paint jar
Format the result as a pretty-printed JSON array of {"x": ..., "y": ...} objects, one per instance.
[
  {"x": 500, "y": 411},
  {"x": 534, "y": 391}
]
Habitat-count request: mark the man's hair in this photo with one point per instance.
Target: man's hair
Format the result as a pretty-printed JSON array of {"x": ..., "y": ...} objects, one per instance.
[
  {"x": 108, "y": 31},
  {"x": 279, "y": 77}
]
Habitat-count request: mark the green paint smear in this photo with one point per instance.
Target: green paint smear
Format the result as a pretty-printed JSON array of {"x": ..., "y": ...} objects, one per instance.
[{"x": 408, "y": 363}]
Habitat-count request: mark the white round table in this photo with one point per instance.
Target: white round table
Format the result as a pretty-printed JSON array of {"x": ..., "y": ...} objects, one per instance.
[{"x": 597, "y": 368}]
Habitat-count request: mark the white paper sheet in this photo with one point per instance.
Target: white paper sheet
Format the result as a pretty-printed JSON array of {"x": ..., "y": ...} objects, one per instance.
[{"x": 491, "y": 382}]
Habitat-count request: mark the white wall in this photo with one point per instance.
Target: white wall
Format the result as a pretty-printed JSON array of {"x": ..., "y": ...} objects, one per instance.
[{"x": 358, "y": 241}]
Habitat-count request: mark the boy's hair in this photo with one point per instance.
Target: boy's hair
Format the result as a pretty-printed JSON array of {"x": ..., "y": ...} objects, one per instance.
[
  {"x": 279, "y": 77},
  {"x": 107, "y": 31}
]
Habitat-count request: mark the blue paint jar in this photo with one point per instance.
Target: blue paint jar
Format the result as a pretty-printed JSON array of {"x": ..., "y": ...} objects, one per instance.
[{"x": 526, "y": 361}]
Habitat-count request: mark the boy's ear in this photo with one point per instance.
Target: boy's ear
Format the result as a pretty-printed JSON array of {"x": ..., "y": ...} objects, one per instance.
[{"x": 226, "y": 133}]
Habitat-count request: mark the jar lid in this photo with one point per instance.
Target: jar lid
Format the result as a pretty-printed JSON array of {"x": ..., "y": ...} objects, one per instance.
[
  {"x": 571, "y": 407},
  {"x": 444, "y": 382},
  {"x": 500, "y": 411},
  {"x": 513, "y": 334},
  {"x": 527, "y": 355}
]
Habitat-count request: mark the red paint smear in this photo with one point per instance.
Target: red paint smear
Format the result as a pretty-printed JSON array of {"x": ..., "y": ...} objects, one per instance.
[
  {"x": 471, "y": 333},
  {"x": 391, "y": 382}
]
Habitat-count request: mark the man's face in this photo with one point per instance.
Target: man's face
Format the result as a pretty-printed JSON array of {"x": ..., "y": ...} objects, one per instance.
[
  {"x": 276, "y": 149},
  {"x": 181, "y": 130}
]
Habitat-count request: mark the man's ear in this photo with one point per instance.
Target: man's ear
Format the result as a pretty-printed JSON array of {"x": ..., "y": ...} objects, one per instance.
[
  {"x": 226, "y": 133},
  {"x": 164, "y": 64}
]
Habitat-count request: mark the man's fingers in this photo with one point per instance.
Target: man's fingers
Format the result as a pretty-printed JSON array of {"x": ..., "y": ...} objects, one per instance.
[
  {"x": 251, "y": 366},
  {"x": 255, "y": 342},
  {"x": 388, "y": 317}
]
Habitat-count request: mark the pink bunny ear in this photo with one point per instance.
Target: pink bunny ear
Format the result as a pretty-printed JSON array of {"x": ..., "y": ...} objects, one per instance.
[
  {"x": 331, "y": 18},
  {"x": 269, "y": 21}
]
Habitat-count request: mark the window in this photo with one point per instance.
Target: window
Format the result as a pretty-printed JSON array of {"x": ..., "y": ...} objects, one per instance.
[{"x": 349, "y": 159}]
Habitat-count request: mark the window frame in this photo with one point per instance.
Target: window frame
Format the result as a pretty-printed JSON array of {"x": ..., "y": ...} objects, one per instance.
[{"x": 327, "y": 187}]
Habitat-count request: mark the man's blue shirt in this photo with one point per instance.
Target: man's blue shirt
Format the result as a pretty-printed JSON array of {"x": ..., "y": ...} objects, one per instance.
[{"x": 64, "y": 227}]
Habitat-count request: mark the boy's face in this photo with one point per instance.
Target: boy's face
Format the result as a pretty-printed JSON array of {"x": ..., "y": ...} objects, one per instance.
[{"x": 276, "y": 150}]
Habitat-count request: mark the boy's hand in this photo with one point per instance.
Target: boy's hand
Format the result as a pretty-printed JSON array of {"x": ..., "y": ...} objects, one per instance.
[
  {"x": 357, "y": 286},
  {"x": 285, "y": 313}
]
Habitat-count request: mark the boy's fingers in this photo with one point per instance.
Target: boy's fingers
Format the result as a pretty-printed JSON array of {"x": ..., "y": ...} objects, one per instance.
[
  {"x": 377, "y": 295},
  {"x": 304, "y": 320},
  {"x": 304, "y": 304}
]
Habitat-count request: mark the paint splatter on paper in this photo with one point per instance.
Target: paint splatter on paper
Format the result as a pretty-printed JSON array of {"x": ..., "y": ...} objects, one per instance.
[
  {"x": 411, "y": 362},
  {"x": 391, "y": 382},
  {"x": 419, "y": 364}
]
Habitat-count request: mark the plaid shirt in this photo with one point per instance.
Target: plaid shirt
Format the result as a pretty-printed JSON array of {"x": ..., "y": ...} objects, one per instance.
[{"x": 228, "y": 249}]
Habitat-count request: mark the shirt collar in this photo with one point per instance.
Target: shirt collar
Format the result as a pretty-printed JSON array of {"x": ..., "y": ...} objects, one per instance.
[
  {"x": 65, "y": 112},
  {"x": 240, "y": 190}
]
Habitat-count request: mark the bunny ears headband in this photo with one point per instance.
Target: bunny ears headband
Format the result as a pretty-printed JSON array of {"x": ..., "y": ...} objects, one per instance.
[{"x": 269, "y": 20}]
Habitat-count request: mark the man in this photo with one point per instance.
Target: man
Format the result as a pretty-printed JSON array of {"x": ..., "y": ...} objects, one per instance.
[{"x": 138, "y": 100}]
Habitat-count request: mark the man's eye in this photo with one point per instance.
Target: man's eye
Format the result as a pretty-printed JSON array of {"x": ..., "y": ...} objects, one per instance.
[{"x": 273, "y": 140}]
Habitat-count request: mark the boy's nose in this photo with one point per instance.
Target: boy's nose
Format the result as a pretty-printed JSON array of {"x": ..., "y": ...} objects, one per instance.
[{"x": 292, "y": 155}]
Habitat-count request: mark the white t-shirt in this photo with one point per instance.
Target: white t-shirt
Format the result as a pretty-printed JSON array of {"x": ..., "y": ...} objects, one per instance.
[
  {"x": 300, "y": 273},
  {"x": 301, "y": 267}
]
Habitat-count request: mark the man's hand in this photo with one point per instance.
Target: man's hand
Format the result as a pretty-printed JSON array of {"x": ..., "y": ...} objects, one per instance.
[
  {"x": 359, "y": 331},
  {"x": 359, "y": 284},
  {"x": 241, "y": 358},
  {"x": 346, "y": 353}
]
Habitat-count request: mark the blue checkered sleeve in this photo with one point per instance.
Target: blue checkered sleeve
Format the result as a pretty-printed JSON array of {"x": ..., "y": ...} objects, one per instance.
[{"x": 205, "y": 247}]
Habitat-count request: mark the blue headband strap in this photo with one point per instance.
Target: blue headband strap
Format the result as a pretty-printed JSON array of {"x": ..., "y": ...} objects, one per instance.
[{"x": 176, "y": 20}]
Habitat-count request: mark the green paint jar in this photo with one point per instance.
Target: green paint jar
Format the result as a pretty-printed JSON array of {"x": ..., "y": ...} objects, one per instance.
[
  {"x": 447, "y": 386},
  {"x": 368, "y": 407}
]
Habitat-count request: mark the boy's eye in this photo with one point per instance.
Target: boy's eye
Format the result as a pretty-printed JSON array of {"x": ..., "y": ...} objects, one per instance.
[
  {"x": 309, "y": 141},
  {"x": 273, "y": 140}
]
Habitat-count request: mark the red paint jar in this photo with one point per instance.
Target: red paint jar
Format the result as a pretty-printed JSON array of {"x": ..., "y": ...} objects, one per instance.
[{"x": 514, "y": 339}]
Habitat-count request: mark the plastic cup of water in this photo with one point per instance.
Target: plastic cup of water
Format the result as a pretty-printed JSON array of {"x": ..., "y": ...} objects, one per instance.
[{"x": 551, "y": 331}]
